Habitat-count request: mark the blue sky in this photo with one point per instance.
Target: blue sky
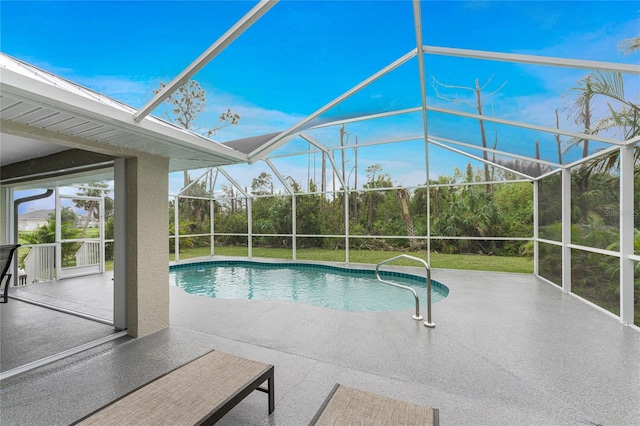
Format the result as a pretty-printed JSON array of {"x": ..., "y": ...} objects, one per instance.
[{"x": 303, "y": 54}]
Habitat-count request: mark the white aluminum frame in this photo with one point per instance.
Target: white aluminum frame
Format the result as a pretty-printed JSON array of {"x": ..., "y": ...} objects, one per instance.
[
  {"x": 227, "y": 38},
  {"x": 626, "y": 254},
  {"x": 626, "y": 234}
]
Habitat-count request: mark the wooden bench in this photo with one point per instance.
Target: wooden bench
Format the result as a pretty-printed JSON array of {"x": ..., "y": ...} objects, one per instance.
[
  {"x": 351, "y": 406},
  {"x": 198, "y": 393}
]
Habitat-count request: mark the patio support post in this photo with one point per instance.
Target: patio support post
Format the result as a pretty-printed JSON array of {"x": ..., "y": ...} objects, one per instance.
[
  {"x": 346, "y": 223},
  {"x": 627, "y": 214},
  {"x": 119, "y": 244},
  {"x": 566, "y": 230},
  {"x": 417, "y": 23},
  {"x": 176, "y": 230},
  {"x": 536, "y": 224},
  {"x": 294, "y": 240},
  {"x": 147, "y": 236},
  {"x": 249, "y": 227},
  {"x": 102, "y": 229},
  {"x": 212, "y": 210},
  {"x": 58, "y": 234}
]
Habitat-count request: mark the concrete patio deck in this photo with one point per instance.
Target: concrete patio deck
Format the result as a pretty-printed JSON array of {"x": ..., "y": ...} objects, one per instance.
[{"x": 508, "y": 349}]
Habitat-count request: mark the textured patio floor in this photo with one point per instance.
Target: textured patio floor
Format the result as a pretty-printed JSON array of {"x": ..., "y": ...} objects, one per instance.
[{"x": 507, "y": 349}]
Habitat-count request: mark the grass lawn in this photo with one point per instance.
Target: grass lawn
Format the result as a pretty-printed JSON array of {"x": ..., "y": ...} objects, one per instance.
[
  {"x": 91, "y": 233},
  {"x": 438, "y": 260}
]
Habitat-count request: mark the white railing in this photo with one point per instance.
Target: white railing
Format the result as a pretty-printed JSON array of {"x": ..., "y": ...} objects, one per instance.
[
  {"x": 88, "y": 254},
  {"x": 39, "y": 264}
]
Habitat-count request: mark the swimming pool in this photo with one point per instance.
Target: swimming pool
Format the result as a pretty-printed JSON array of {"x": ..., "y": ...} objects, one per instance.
[{"x": 314, "y": 284}]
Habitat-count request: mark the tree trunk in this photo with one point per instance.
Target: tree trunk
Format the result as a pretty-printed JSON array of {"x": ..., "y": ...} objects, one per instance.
[
  {"x": 483, "y": 135},
  {"x": 538, "y": 169},
  {"x": 187, "y": 204},
  {"x": 355, "y": 184},
  {"x": 333, "y": 175},
  {"x": 369, "y": 211},
  {"x": 233, "y": 202},
  {"x": 558, "y": 142},
  {"x": 408, "y": 221},
  {"x": 435, "y": 203},
  {"x": 92, "y": 206}
]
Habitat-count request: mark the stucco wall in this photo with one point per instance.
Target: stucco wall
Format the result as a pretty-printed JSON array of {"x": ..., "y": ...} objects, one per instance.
[{"x": 147, "y": 244}]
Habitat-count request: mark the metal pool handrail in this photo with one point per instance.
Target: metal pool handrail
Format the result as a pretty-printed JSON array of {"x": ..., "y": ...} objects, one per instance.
[{"x": 417, "y": 316}]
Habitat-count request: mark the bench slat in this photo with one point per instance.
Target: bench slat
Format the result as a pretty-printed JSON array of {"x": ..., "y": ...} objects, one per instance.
[
  {"x": 192, "y": 394},
  {"x": 351, "y": 406}
]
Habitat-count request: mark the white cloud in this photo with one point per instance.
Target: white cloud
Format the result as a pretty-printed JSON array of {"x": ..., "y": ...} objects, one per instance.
[
  {"x": 124, "y": 89},
  {"x": 601, "y": 44}
]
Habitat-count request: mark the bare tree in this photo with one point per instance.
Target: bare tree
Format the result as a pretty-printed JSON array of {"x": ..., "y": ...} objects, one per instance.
[
  {"x": 538, "y": 167},
  {"x": 186, "y": 104},
  {"x": 403, "y": 196},
  {"x": 344, "y": 139},
  {"x": 355, "y": 179},
  {"x": 558, "y": 141},
  {"x": 478, "y": 103}
]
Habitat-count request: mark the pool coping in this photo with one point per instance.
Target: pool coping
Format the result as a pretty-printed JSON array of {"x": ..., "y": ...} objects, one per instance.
[{"x": 362, "y": 268}]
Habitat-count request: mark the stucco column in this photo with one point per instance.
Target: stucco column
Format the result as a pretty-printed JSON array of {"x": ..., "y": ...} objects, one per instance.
[
  {"x": 147, "y": 241},
  {"x": 6, "y": 203}
]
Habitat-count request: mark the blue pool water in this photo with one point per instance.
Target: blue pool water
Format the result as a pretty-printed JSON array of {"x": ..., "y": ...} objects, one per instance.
[{"x": 320, "y": 285}]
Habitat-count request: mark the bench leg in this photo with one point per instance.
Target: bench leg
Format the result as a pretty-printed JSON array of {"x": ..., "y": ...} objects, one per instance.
[
  {"x": 270, "y": 386},
  {"x": 270, "y": 390}
]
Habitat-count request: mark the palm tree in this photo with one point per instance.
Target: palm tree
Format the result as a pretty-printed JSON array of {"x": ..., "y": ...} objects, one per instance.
[
  {"x": 46, "y": 234},
  {"x": 469, "y": 212},
  {"x": 581, "y": 112},
  {"x": 623, "y": 115}
]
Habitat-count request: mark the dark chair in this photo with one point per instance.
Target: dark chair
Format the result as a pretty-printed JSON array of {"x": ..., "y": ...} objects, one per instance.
[{"x": 6, "y": 254}]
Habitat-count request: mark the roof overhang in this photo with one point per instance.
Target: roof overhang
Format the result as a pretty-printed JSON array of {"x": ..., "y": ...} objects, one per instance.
[{"x": 41, "y": 106}]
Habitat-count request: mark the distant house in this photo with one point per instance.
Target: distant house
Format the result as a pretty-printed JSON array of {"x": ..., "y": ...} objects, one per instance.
[
  {"x": 32, "y": 220},
  {"x": 81, "y": 219}
]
